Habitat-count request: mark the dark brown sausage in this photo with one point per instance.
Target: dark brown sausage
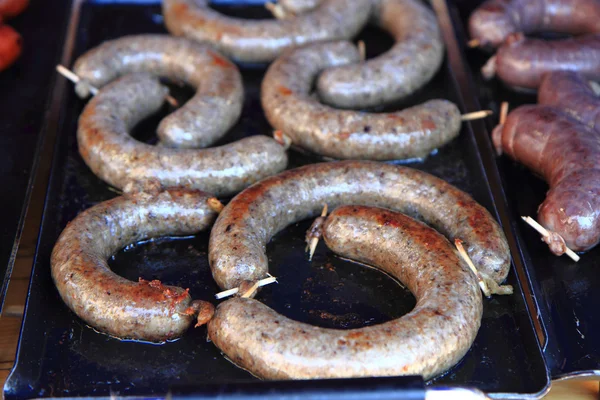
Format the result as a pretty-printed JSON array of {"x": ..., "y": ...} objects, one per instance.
[
  {"x": 10, "y": 46},
  {"x": 202, "y": 120},
  {"x": 117, "y": 158},
  {"x": 263, "y": 41},
  {"x": 140, "y": 310},
  {"x": 433, "y": 337},
  {"x": 406, "y": 67},
  {"x": 286, "y": 98},
  {"x": 521, "y": 62},
  {"x": 566, "y": 154},
  {"x": 572, "y": 93},
  {"x": 493, "y": 21},
  {"x": 242, "y": 231},
  {"x": 12, "y": 8}
]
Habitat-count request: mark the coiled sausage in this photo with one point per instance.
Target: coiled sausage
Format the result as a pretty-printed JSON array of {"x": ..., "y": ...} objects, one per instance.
[
  {"x": 289, "y": 107},
  {"x": 406, "y": 67},
  {"x": 566, "y": 153},
  {"x": 118, "y": 159},
  {"x": 433, "y": 337},
  {"x": 263, "y": 41},
  {"x": 206, "y": 117},
  {"x": 140, "y": 310},
  {"x": 238, "y": 238},
  {"x": 493, "y": 21}
]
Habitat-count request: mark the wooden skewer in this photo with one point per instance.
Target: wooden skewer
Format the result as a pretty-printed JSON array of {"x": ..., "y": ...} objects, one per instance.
[
  {"x": 461, "y": 250},
  {"x": 282, "y": 139},
  {"x": 544, "y": 232},
  {"x": 473, "y": 43},
  {"x": 70, "y": 75},
  {"x": 362, "y": 50},
  {"x": 476, "y": 115},
  {"x": 215, "y": 204},
  {"x": 503, "y": 112},
  {"x": 231, "y": 292},
  {"x": 312, "y": 246},
  {"x": 278, "y": 11}
]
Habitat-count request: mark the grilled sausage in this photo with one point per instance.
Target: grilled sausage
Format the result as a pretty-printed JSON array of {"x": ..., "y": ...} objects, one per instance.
[
  {"x": 521, "y": 62},
  {"x": 11, "y": 45},
  {"x": 566, "y": 154},
  {"x": 12, "y": 8},
  {"x": 406, "y": 67},
  {"x": 238, "y": 239},
  {"x": 572, "y": 93},
  {"x": 118, "y": 159},
  {"x": 263, "y": 41},
  {"x": 140, "y": 310},
  {"x": 493, "y": 21},
  {"x": 206, "y": 117},
  {"x": 289, "y": 107},
  {"x": 433, "y": 337}
]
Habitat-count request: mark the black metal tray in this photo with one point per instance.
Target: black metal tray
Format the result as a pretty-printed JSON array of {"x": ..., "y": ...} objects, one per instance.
[
  {"x": 60, "y": 356},
  {"x": 24, "y": 93},
  {"x": 566, "y": 292}
]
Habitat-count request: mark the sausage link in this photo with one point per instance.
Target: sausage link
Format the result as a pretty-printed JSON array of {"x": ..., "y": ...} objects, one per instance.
[
  {"x": 566, "y": 154},
  {"x": 243, "y": 229},
  {"x": 263, "y": 41},
  {"x": 117, "y": 158},
  {"x": 572, "y": 93},
  {"x": 108, "y": 302},
  {"x": 493, "y": 21},
  {"x": 433, "y": 337},
  {"x": 406, "y": 67},
  {"x": 206, "y": 117},
  {"x": 521, "y": 62},
  {"x": 286, "y": 98}
]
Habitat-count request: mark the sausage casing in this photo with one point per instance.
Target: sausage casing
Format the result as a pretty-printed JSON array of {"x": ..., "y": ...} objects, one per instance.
[
  {"x": 286, "y": 98},
  {"x": 263, "y": 41},
  {"x": 566, "y": 154},
  {"x": 434, "y": 336},
  {"x": 206, "y": 117},
  {"x": 406, "y": 67},
  {"x": 114, "y": 156},
  {"x": 238, "y": 238},
  {"x": 112, "y": 304}
]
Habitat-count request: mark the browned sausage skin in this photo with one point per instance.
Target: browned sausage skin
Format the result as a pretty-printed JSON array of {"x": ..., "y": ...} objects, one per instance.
[
  {"x": 520, "y": 62},
  {"x": 433, "y": 337},
  {"x": 572, "y": 93},
  {"x": 263, "y": 41},
  {"x": 566, "y": 154},
  {"x": 140, "y": 310},
  {"x": 117, "y": 158},
  {"x": 493, "y": 21},
  {"x": 286, "y": 98},
  {"x": 407, "y": 66},
  {"x": 206, "y": 117},
  {"x": 238, "y": 239}
]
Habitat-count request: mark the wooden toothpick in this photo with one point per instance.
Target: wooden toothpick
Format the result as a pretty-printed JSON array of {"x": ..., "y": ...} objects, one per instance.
[
  {"x": 476, "y": 115},
  {"x": 278, "y": 11},
  {"x": 262, "y": 282},
  {"x": 461, "y": 250},
  {"x": 312, "y": 246},
  {"x": 473, "y": 43},
  {"x": 215, "y": 204},
  {"x": 544, "y": 232},
  {"x": 503, "y": 112},
  {"x": 70, "y": 75},
  {"x": 362, "y": 50}
]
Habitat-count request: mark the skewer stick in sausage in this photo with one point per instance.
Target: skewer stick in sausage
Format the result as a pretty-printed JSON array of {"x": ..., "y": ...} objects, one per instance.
[
  {"x": 260, "y": 283},
  {"x": 70, "y": 75},
  {"x": 314, "y": 233},
  {"x": 545, "y": 233}
]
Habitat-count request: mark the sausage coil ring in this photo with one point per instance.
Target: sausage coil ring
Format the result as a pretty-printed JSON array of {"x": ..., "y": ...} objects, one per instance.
[
  {"x": 286, "y": 98},
  {"x": 263, "y": 41},
  {"x": 406, "y": 67},
  {"x": 206, "y": 117},
  {"x": 243, "y": 229},
  {"x": 433, "y": 337},
  {"x": 117, "y": 158},
  {"x": 110, "y": 303}
]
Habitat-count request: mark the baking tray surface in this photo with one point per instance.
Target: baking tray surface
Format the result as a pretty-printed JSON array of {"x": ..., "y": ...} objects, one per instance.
[
  {"x": 60, "y": 356},
  {"x": 566, "y": 292}
]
